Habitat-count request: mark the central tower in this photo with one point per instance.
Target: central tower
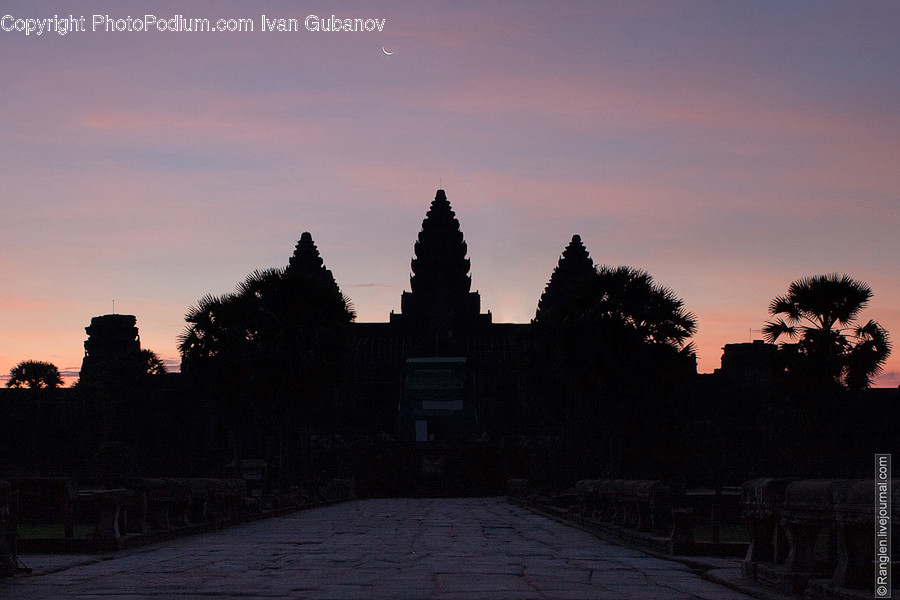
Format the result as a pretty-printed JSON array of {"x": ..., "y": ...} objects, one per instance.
[
  {"x": 440, "y": 267},
  {"x": 440, "y": 302}
]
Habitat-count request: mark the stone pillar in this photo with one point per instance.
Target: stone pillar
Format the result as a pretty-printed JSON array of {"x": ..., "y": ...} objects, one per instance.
[
  {"x": 855, "y": 516},
  {"x": 7, "y": 560},
  {"x": 808, "y": 514},
  {"x": 108, "y": 535},
  {"x": 682, "y": 538},
  {"x": 763, "y": 501}
]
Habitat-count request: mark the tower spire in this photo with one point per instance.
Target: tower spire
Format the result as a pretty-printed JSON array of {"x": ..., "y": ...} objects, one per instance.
[
  {"x": 307, "y": 261},
  {"x": 441, "y": 299},
  {"x": 574, "y": 264},
  {"x": 440, "y": 266}
]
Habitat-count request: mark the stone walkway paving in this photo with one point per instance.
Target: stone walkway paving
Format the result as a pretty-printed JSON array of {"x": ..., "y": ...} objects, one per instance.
[{"x": 482, "y": 549}]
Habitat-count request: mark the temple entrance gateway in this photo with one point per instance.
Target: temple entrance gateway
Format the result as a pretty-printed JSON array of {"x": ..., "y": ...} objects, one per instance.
[{"x": 434, "y": 406}]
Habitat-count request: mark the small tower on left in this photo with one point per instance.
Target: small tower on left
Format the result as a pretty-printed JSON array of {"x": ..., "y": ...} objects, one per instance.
[{"x": 112, "y": 339}]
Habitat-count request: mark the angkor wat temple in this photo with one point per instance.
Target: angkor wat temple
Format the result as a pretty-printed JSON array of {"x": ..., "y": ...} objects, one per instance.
[
  {"x": 440, "y": 381},
  {"x": 441, "y": 369}
]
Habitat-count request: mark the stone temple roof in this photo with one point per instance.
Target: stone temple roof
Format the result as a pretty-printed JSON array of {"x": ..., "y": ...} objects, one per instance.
[{"x": 440, "y": 265}]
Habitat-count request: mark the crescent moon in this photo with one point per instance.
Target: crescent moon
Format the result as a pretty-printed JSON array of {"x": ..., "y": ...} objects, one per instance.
[{"x": 385, "y": 51}]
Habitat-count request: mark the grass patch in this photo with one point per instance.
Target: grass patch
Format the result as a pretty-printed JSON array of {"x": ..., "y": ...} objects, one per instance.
[
  {"x": 728, "y": 532},
  {"x": 52, "y": 531}
]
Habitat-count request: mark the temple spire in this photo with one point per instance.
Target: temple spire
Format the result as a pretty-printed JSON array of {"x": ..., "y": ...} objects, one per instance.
[
  {"x": 441, "y": 300},
  {"x": 306, "y": 260},
  {"x": 574, "y": 265},
  {"x": 440, "y": 266}
]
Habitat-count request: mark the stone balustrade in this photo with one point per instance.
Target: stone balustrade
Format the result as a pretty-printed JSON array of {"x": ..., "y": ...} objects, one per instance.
[
  {"x": 651, "y": 514},
  {"x": 45, "y": 500},
  {"x": 855, "y": 524},
  {"x": 155, "y": 500},
  {"x": 654, "y": 501},
  {"x": 588, "y": 493},
  {"x": 225, "y": 500},
  {"x": 144, "y": 510},
  {"x": 642, "y": 505},
  {"x": 108, "y": 534},
  {"x": 808, "y": 519},
  {"x": 7, "y": 560},
  {"x": 339, "y": 489},
  {"x": 609, "y": 500},
  {"x": 519, "y": 490},
  {"x": 762, "y": 500},
  {"x": 812, "y": 535},
  {"x": 170, "y": 502}
]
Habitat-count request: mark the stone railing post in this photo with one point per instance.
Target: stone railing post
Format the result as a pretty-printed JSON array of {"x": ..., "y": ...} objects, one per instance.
[
  {"x": 108, "y": 535},
  {"x": 682, "y": 537},
  {"x": 518, "y": 489},
  {"x": 159, "y": 499},
  {"x": 611, "y": 491},
  {"x": 809, "y": 514},
  {"x": 654, "y": 506},
  {"x": 855, "y": 516},
  {"x": 587, "y": 491},
  {"x": 715, "y": 517},
  {"x": 763, "y": 501},
  {"x": 7, "y": 540},
  {"x": 199, "y": 500},
  {"x": 629, "y": 500},
  {"x": 181, "y": 498}
]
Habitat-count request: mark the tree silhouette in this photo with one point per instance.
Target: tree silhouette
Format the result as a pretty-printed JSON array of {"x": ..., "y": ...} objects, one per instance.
[
  {"x": 152, "y": 363},
  {"x": 828, "y": 353},
  {"x": 611, "y": 346},
  {"x": 270, "y": 352},
  {"x": 606, "y": 322},
  {"x": 652, "y": 313},
  {"x": 831, "y": 347},
  {"x": 34, "y": 375}
]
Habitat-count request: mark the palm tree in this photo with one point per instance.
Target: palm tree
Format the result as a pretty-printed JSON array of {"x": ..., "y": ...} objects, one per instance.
[
  {"x": 296, "y": 325},
  {"x": 210, "y": 331},
  {"x": 270, "y": 352},
  {"x": 612, "y": 350},
  {"x": 151, "y": 363},
  {"x": 214, "y": 351},
  {"x": 34, "y": 374},
  {"x": 607, "y": 324},
  {"x": 821, "y": 314},
  {"x": 654, "y": 314}
]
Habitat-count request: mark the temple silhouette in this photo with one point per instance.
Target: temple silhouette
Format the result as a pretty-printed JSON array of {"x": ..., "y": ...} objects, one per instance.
[
  {"x": 283, "y": 401},
  {"x": 436, "y": 398},
  {"x": 440, "y": 369},
  {"x": 112, "y": 339}
]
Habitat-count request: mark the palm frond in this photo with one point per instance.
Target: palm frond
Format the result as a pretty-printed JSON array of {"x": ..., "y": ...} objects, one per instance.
[
  {"x": 787, "y": 306},
  {"x": 773, "y": 330}
]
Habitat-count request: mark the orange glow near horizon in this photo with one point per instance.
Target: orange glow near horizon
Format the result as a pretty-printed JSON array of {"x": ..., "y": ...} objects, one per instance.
[{"x": 727, "y": 150}]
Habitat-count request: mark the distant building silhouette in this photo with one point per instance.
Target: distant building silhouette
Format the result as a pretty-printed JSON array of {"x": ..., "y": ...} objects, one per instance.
[
  {"x": 749, "y": 365},
  {"x": 112, "y": 339}
]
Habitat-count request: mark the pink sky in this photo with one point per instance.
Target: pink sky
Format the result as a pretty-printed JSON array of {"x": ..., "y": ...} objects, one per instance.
[{"x": 726, "y": 148}]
